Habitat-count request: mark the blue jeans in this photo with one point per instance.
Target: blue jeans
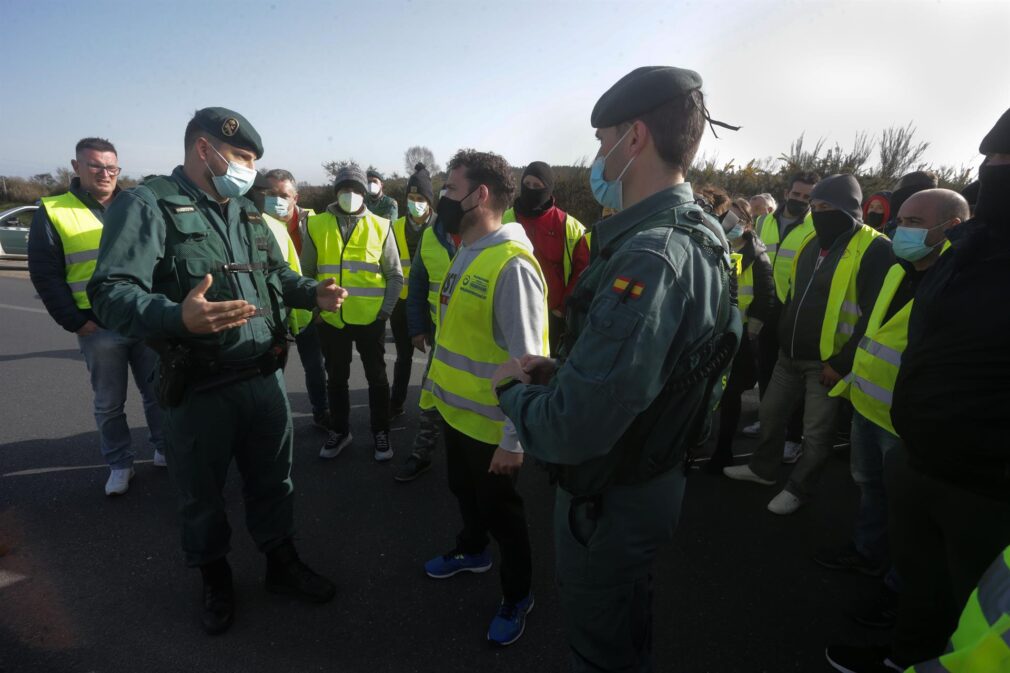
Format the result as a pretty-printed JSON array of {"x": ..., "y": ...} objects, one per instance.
[
  {"x": 870, "y": 443},
  {"x": 109, "y": 357},
  {"x": 311, "y": 356}
]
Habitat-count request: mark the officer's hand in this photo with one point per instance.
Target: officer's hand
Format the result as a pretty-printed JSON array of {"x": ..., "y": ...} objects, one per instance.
[
  {"x": 88, "y": 328},
  {"x": 829, "y": 377},
  {"x": 540, "y": 369},
  {"x": 505, "y": 462},
  {"x": 200, "y": 316},
  {"x": 421, "y": 341},
  {"x": 510, "y": 369},
  {"x": 330, "y": 296}
]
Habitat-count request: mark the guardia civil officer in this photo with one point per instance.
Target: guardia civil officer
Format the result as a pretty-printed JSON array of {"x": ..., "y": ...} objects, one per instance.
[
  {"x": 652, "y": 326},
  {"x": 188, "y": 263}
]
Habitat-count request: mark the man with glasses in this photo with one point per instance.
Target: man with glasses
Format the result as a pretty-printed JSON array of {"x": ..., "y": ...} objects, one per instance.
[{"x": 62, "y": 249}]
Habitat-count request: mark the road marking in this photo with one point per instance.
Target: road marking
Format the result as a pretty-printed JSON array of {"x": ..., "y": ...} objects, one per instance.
[
  {"x": 23, "y": 308},
  {"x": 7, "y": 578},
  {"x": 50, "y": 470},
  {"x": 708, "y": 458}
]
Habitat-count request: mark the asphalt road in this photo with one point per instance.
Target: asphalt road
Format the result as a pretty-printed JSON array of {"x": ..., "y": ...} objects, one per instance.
[{"x": 96, "y": 584}]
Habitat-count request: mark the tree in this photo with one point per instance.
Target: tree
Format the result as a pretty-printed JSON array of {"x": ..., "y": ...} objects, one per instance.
[
  {"x": 420, "y": 154},
  {"x": 898, "y": 151},
  {"x": 333, "y": 167}
]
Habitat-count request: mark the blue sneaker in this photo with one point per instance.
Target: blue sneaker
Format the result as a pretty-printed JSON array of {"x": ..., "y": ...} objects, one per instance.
[
  {"x": 456, "y": 562},
  {"x": 510, "y": 622}
]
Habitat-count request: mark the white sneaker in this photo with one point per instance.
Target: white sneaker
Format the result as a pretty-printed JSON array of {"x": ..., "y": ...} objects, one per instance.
[
  {"x": 784, "y": 503},
  {"x": 159, "y": 459},
  {"x": 752, "y": 430},
  {"x": 744, "y": 473},
  {"x": 119, "y": 481},
  {"x": 792, "y": 452},
  {"x": 334, "y": 444}
]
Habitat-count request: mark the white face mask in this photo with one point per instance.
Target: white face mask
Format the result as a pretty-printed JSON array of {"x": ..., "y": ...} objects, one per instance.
[
  {"x": 374, "y": 187},
  {"x": 417, "y": 208},
  {"x": 350, "y": 202}
]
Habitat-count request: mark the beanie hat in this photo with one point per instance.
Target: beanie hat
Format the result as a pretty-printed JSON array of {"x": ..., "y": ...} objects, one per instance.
[
  {"x": 541, "y": 170},
  {"x": 841, "y": 191},
  {"x": 351, "y": 173},
  {"x": 420, "y": 183}
]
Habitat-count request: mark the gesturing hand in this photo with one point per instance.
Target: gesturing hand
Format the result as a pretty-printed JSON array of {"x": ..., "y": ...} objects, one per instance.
[
  {"x": 420, "y": 341},
  {"x": 330, "y": 296},
  {"x": 200, "y": 316}
]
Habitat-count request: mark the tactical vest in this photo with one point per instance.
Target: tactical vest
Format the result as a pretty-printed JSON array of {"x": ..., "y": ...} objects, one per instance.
[
  {"x": 299, "y": 318},
  {"x": 437, "y": 262},
  {"x": 783, "y": 253},
  {"x": 574, "y": 231},
  {"x": 355, "y": 265},
  {"x": 80, "y": 232},
  {"x": 466, "y": 355}
]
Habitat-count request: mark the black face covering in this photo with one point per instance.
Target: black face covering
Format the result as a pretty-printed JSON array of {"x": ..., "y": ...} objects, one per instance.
[
  {"x": 875, "y": 219},
  {"x": 796, "y": 208},
  {"x": 532, "y": 201},
  {"x": 829, "y": 225},
  {"x": 451, "y": 212},
  {"x": 994, "y": 196}
]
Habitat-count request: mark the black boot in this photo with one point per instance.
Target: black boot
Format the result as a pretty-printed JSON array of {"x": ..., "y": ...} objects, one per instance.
[
  {"x": 286, "y": 574},
  {"x": 218, "y": 597}
]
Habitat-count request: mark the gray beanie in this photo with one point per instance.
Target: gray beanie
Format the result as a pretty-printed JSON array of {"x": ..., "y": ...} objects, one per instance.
[
  {"x": 351, "y": 173},
  {"x": 843, "y": 192}
]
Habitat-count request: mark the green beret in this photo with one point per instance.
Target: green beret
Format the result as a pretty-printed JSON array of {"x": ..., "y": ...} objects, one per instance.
[
  {"x": 230, "y": 127},
  {"x": 640, "y": 91}
]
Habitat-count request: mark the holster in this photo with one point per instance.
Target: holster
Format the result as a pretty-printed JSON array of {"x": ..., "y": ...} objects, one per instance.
[{"x": 174, "y": 368}]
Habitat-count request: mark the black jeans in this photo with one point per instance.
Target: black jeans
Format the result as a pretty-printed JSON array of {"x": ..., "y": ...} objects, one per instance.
[
  {"x": 741, "y": 379},
  {"x": 767, "y": 356},
  {"x": 337, "y": 350},
  {"x": 943, "y": 538},
  {"x": 489, "y": 503},
  {"x": 404, "y": 354}
]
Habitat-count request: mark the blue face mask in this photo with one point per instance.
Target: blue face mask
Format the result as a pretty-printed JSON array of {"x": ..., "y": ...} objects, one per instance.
[
  {"x": 236, "y": 181},
  {"x": 909, "y": 243},
  {"x": 608, "y": 193},
  {"x": 277, "y": 206}
]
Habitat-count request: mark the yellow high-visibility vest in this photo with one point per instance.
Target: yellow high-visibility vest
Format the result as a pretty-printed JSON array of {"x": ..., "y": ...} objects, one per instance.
[
  {"x": 842, "y": 312},
  {"x": 299, "y": 318},
  {"x": 783, "y": 253},
  {"x": 80, "y": 232},
  {"x": 744, "y": 284},
  {"x": 355, "y": 265},
  {"x": 436, "y": 262},
  {"x": 466, "y": 354},
  {"x": 400, "y": 231}
]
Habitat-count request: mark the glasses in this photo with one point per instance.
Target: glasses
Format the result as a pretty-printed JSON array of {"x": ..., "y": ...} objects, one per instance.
[{"x": 111, "y": 170}]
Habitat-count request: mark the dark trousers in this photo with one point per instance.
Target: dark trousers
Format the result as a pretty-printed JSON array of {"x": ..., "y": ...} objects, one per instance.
[
  {"x": 404, "y": 354},
  {"x": 337, "y": 350},
  {"x": 555, "y": 333},
  {"x": 767, "y": 356},
  {"x": 741, "y": 379},
  {"x": 489, "y": 503},
  {"x": 942, "y": 538},
  {"x": 311, "y": 356}
]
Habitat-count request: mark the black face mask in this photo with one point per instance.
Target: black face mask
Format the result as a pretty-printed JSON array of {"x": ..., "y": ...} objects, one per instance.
[
  {"x": 451, "y": 212},
  {"x": 829, "y": 225},
  {"x": 532, "y": 200},
  {"x": 994, "y": 195},
  {"x": 797, "y": 208},
  {"x": 875, "y": 219}
]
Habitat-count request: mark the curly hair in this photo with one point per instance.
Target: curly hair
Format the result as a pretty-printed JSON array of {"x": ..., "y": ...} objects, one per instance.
[{"x": 490, "y": 170}]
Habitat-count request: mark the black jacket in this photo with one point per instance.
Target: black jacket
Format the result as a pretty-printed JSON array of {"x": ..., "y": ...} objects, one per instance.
[
  {"x": 951, "y": 401},
  {"x": 754, "y": 254}
]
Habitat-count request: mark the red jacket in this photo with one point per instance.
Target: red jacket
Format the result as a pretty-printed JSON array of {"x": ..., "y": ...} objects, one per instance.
[{"x": 547, "y": 233}]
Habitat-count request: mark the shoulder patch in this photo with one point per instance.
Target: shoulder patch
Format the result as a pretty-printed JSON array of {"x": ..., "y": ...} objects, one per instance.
[{"x": 628, "y": 288}]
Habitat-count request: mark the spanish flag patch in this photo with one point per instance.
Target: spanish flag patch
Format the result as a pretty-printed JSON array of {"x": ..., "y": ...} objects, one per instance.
[{"x": 628, "y": 287}]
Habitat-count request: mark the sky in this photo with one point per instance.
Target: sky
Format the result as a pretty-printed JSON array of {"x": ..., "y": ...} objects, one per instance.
[{"x": 327, "y": 80}]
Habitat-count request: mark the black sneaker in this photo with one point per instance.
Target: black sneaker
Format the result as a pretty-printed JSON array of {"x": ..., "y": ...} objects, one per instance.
[
  {"x": 335, "y": 443},
  {"x": 848, "y": 558},
  {"x": 383, "y": 449},
  {"x": 412, "y": 469},
  {"x": 321, "y": 419},
  {"x": 861, "y": 659},
  {"x": 218, "y": 597},
  {"x": 286, "y": 574},
  {"x": 880, "y": 613},
  {"x": 395, "y": 411}
]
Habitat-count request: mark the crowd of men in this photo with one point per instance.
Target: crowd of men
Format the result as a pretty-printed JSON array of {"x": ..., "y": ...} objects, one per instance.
[{"x": 603, "y": 354}]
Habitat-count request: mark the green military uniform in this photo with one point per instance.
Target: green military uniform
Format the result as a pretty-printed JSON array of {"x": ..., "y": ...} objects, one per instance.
[
  {"x": 160, "y": 240},
  {"x": 381, "y": 205},
  {"x": 648, "y": 322}
]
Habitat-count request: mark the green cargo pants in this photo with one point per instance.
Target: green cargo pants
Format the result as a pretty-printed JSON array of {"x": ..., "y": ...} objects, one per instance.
[
  {"x": 249, "y": 421},
  {"x": 604, "y": 570}
]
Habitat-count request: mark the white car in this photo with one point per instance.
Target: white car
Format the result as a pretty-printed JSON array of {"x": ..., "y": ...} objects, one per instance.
[{"x": 14, "y": 225}]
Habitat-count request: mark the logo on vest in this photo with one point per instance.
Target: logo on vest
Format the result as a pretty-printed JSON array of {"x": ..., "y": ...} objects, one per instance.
[
  {"x": 229, "y": 127},
  {"x": 475, "y": 286}
]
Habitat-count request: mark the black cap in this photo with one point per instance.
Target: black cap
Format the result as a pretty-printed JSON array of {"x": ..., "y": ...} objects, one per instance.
[
  {"x": 997, "y": 141},
  {"x": 420, "y": 183},
  {"x": 641, "y": 90},
  {"x": 231, "y": 127},
  {"x": 373, "y": 173}
]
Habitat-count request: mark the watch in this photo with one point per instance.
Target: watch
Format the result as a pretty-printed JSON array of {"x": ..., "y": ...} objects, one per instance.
[{"x": 505, "y": 385}]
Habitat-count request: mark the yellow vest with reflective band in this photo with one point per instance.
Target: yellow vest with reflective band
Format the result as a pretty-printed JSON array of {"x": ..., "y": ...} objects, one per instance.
[
  {"x": 574, "y": 231},
  {"x": 436, "y": 262},
  {"x": 842, "y": 312},
  {"x": 355, "y": 265},
  {"x": 783, "y": 253},
  {"x": 400, "y": 231},
  {"x": 80, "y": 232},
  {"x": 744, "y": 285},
  {"x": 870, "y": 384},
  {"x": 981, "y": 643},
  {"x": 466, "y": 354},
  {"x": 299, "y": 318}
]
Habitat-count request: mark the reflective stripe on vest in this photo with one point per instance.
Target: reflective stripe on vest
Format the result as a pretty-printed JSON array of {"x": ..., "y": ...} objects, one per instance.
[
  {"x": 80, "y": 233},
  {"x": 466, "y": 355},
  {"x": 782, "y": 253},
  {"x": 436, "y": 263},
  {"x": 299, "y": 318},
  {"x": 574, "y": 231},
  {"x": 842, "y": 312},
  {"x": 400, "y": 231},
  {"x": 354, "y": 264}
]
